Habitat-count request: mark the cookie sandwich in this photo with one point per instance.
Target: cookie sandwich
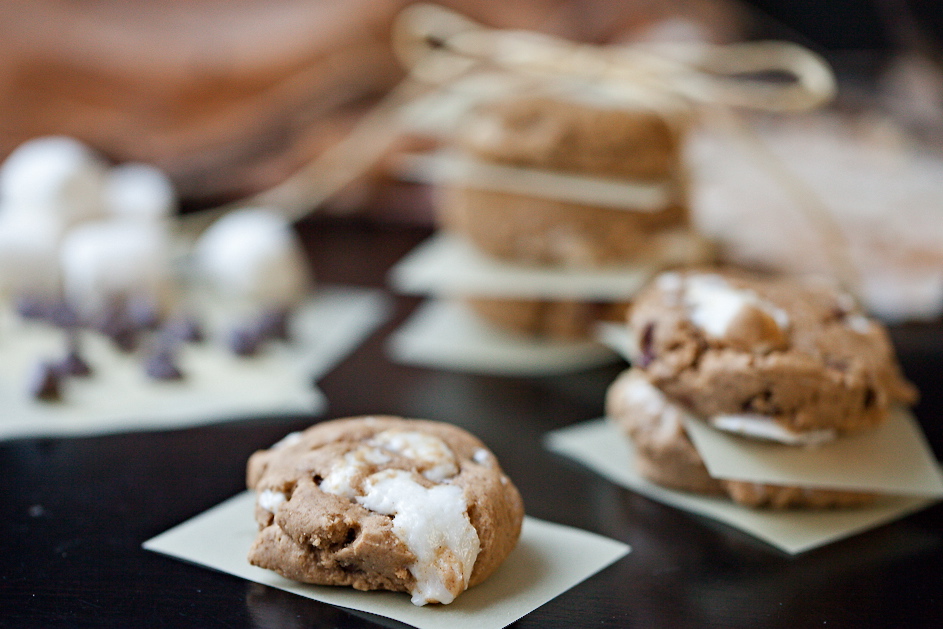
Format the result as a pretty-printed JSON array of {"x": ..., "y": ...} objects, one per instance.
[
  {"x": 383, "y": 503},
  {"x": 778, "y": 360},
  {"x": 569, "y": 176}
]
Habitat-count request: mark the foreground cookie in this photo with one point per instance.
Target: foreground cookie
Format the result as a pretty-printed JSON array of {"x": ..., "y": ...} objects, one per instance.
[
  {"x": 769, "y": 358},
  {"x": 384, "y": 503}
]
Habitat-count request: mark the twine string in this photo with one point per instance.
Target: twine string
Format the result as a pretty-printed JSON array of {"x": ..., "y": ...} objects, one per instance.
[{"x": 439, "y": 47}]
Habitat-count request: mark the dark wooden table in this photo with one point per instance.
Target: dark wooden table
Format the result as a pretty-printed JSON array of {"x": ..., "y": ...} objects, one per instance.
[{"x": 75, "y": 511}]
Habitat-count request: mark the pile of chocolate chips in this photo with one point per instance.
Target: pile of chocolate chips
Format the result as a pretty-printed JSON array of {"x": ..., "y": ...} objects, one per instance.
[
  {"x": 125, "y": 323},
  {"x": 130, "y": 325}
]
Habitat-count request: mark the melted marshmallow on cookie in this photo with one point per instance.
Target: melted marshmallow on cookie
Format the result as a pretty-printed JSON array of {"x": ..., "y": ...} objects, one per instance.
[
  {"x": 271, "y": 500},
  {"x": 434, "y": 525},
  {"x": 432, "y": 522},
  {"x": 714, "y": 304},
  {"x": 422, "y": 448},
  {"x": 767, "y": 428}
]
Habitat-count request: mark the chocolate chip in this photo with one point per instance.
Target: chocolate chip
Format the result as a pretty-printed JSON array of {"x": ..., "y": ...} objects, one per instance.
[
  {"x": 761, "y": 403},
  {"x": 646, "y": 346},
  {"x": 116, "y": 325},
  {"x": 160, "y": 366},
  {"x": 273, "y": 324},
  {"x": 244, "y": 341},
  {"x": 63, "y": 315},
  {"x": 45, "y": 382},
  {"x": 74, "y": 365},
  {"x": 142, "y": 313},
  {"x": 31, "y": 307},
  {"x": 869, "y": 397},
  {"x": 184, "y": 329}
]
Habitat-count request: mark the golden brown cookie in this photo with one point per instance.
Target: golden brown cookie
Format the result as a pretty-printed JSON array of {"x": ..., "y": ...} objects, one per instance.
[
  {"x": 383, "y": 503},
  {"x": 666, "y": 456},
  {"x": 564, "y": 320},
  {"x": 579, "y": 128},
  {"x": 535, "y": 230},
  {"x": 743, "y": 348}
]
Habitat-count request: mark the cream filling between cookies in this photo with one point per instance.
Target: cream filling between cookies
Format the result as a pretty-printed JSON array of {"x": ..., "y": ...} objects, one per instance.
[
  {"x": 432, "y": 522},
  {"x": 641, "y": 394},
  {"x": 451, "y": 168},
  {"x": 767, "y": 428}
]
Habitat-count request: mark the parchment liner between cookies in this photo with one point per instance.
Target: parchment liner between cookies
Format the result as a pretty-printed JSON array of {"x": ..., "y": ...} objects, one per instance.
[
  {"x": 603, "y": 448},
  {"x": 893, "y": 458},
  {"x": 447, "y": 335},
  {"x": 447, "y": 265}
]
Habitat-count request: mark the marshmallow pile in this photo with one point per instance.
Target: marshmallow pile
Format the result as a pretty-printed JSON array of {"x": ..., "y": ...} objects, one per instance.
[
  {"x": 87, "y": 244},
  {"x": 73, "y": 227}
]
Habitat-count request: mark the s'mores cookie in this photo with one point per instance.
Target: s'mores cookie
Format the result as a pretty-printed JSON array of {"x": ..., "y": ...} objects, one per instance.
[
  {"x": 777, "y": 360},
  {"x": 758, "y": 355},
  {"x": 581, "y": 127},
  {"x": 384, "y": 503},
  {"x": 605, "y": 172},
  {"x": 569, "y": 175},
  {"x": 665, "y": 455}
]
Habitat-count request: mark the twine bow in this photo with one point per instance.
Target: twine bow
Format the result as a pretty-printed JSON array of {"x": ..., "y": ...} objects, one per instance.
[{"x": 439, "y": 47}]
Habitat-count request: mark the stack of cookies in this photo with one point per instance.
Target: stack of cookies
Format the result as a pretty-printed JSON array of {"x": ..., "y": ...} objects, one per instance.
[
  {"x": 790, "y": 363},
  {"x": 570, "y": 176}
]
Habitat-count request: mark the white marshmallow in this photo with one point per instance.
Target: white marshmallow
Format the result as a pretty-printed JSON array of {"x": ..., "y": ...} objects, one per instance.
[
  {"x": 252, "y": 254},
  {"x": 433, "y": 523},
  {"x": 768, "y": 429},
  {"x": 482, "y": 457},
  {"x": 139, "y": 191},
  {"x": 109, "y": 260},
  {"x": 29, "y": 253},
  {"x": 714, "y": 304},
  {"x": 287, "y": 441},
  {"x": 423, "y": 448},
  {"x": 271, "y": 500},
  {"x": 53, "y": 174}
]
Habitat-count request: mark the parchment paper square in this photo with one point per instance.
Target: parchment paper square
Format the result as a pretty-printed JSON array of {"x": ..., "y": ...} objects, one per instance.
[
  {"x": 604, "y": 449},
  {"x": 449, "y": 265},
  {"x": 893, "y": 458},
  {"x": 217, "y": 386},
  {"x": 549, "y": 559},
  {"x": 447, "y": 335}
]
